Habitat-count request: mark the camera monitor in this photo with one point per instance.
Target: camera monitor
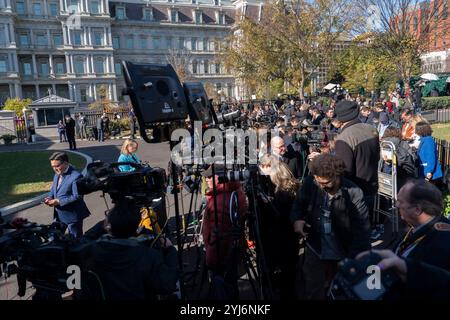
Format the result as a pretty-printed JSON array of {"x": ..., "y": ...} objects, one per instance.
[
  {"x": 199, "y": 109},
  {"x": 155, "y": 92}
]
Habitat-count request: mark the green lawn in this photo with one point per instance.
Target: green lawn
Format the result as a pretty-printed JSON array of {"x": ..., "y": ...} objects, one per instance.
[
  {"x": 441, "y": 131},
  {"x": 24, "y": 175}
]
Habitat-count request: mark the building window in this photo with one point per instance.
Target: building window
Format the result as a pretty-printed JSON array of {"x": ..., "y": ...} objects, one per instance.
[
  {"x": 54, "y": 9},
  {"x": 120, "y": 13},
  {"x": 206, "y": 67},
  {"x": 2, "y": 35},
  {"x": 169, "y": 42},
  {"x": 216, "y": 2},
  {"x": 217, "y": 68},
  {"x": 148, "y": 14},
  {"x": 94, "y": 7},
  {"x": 83, "y": 95},
  {"x": 143, "y": 41},
  {"x": 3, "y": 65},
  {"x": 156, "y": 43},
  {"x": 221, "y": 18},
  {"x": 27, "y": 69},
  {"x": 129, "y": 43},
  {"x": 73, "y": 7},
  {"x": 57, "y": 40},
  {"x": 181, "y": 43},
  {"x": 24, "y": 40},
  {"x": 118, "y": 68},
  {"x": 20, "y": 7},
  {"x": 49, "y": 117},
  {"x": 445, "y": 9},
  {"x": 77, "y": 38},
  {"x": 194, "y": 44},
  {"x": 37, "y": 9},
  {"x": 60, "y": 68},
  {"x": 98, "y": 38},
  {"x": 116, "y": 42},
  {"x": 205, "y": 44},
  {"x": 99, "y": 66},
  {"x": 41, "y": 40},
  {"x": 79, "y": 66},
  {"x": 194, "y": 67},
  {"x": 198, "y": 17},
  {"x": 44, "y": 69},
  {"x": 174, "y": 15},
  {"x": 415, "y": 23}
]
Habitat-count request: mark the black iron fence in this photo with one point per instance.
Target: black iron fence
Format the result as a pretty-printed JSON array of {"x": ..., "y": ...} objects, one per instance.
[
  {"x": 443, "y": 147},
  {"x": 92, "y": 116}
]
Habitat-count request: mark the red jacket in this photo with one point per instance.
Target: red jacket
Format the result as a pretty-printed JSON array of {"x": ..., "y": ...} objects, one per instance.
[{"x": 223, "y": 195}]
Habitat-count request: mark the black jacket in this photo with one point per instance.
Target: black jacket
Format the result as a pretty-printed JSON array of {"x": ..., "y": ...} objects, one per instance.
[
  {"x": 294, "y": 161},
  {"x": 434, "y": 249},
  {"x": 358, "y": 145},
  {"x": 129, "y": 270},
  {"x": 349, "y": 216},
  {"x": 425, "y": 281},
  {"x": 70, "y": 127}
]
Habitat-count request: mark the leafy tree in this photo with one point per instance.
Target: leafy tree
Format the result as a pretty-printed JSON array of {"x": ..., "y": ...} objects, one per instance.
[
  {"x": 104, "y": 104},
  {"x": 289, "y": 43},
  {"x": 17, "y": 105}
]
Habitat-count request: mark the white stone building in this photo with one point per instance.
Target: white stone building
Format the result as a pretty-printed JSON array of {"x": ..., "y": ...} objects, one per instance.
[{"x": 73, "y": 47}]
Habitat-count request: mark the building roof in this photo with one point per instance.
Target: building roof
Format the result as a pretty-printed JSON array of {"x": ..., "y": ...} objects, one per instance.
[
  {"x": 51, "y": 100},
  {"x": 134, "y": 11}
]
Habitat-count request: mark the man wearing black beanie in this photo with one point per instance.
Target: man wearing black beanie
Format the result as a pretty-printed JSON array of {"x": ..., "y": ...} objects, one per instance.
[{"x": 358, "y": 146}]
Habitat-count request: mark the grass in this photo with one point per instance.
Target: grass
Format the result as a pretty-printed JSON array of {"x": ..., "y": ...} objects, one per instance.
[
  {"x": 24, "y": 175},
  {"x": 441, "y": 131}
]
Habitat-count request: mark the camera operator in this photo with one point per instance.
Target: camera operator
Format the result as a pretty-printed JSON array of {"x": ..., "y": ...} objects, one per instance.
[
  {"x": 127, "y": 269},
  {"x": 280, "y": 242},
  {"x": 420, "y": 205},
  {"x": 287, "y": 155},
  {"x": 335, "y": 213},
  {"x": 419, "y": 280},
  {"x": 69, "y": 206}
]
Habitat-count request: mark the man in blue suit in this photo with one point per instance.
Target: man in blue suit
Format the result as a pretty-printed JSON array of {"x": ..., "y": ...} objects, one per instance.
[{"x": 69, "y": 206}]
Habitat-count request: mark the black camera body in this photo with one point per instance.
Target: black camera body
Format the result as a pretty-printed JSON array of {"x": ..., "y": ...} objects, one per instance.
[
  {"x": 143, "y": 184},
  {"x": 362, "y": 280}
]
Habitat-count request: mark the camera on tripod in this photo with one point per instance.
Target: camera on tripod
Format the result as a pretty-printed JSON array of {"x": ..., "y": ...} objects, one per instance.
[
  {"x": 142, "y": 184},
  {"x": 40, "y": 254}
]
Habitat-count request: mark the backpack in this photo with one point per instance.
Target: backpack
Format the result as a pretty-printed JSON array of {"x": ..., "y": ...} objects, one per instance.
[{"x": 410, "y": 160}]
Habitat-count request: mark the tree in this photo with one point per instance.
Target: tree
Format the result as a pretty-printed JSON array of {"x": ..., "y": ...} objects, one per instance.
[
  {"x": 180, "y": 61},
  {"x": 290, "y": 41},
  {"x": 17, "y": 105},
  {"x": 402, "y": 30},
  {"x": 104, "y": 104},
  {"x": 363, "y": 70}
]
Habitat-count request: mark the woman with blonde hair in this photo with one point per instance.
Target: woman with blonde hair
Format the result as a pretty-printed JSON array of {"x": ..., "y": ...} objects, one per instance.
[
  {"x": 128, "y": 154},
  {"x": 280, "y": 242}
]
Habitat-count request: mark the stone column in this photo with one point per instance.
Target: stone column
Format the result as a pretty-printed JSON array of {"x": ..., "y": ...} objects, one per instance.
[
  {"x": 45, "y": 8},
  {"x": 37, "y": 91},
  {"x": 70, "y": 90},
  {"x": 50, "y": 63},
  {"x": 7, "y": 39},
  {"x": 49, "y": 40},
  {"x": 71, "y": 63},
  {"x": 114, "y": 92},
  {"x": 68, "y": 64},
  {"x": 35, "y": 72}
]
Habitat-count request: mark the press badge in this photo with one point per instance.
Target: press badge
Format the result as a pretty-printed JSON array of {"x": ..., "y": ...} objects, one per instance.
[{"x": 327, "y": 224}]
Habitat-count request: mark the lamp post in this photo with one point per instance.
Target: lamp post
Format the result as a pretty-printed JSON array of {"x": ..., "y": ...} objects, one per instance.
[{"x": 24, "y": 110}]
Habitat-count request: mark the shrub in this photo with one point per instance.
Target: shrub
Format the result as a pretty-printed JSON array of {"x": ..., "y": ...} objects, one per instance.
[
  {"x": 436, "y": 102},
  {"x": 8, "y": 138}
]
